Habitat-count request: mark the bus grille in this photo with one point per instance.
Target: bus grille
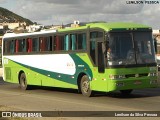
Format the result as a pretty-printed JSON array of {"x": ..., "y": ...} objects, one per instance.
[{"x": 136, "y": 75}]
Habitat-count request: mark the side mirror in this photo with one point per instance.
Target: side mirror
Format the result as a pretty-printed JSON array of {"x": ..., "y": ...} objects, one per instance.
[{"x": 155, "y": 45}]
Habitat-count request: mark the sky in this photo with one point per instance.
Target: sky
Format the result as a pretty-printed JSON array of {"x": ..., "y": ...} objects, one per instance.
[{"x": 48, "y": 12}]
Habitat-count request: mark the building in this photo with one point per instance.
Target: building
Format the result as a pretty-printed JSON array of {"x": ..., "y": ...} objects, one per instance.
[
  {"x": 156, "y": 36},
  {"x": 14, "y": 25},
  {"x": 33, "y": 28}
]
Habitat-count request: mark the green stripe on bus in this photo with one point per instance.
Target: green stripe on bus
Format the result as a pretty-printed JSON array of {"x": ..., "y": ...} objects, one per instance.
[{"x": 63, "y": 77}]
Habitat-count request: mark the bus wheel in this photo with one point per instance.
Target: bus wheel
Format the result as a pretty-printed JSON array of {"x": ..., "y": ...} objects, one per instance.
[
  {"x": 23, "y": 81},
  {"x": 85, "y": 86},
  {"x": 126, "y": 92}
]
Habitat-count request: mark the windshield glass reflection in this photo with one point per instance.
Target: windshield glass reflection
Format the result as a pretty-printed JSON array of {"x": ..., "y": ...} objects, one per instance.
[{"x": 130, "y": 48}]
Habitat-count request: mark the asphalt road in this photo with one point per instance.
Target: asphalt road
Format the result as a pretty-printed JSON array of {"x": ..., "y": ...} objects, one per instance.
[{"x": 56, "y": 99}]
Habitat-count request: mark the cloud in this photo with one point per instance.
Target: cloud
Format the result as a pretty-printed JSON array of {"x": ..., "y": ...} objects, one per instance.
[
  {"x": 2, "y": 1},
  {"x": 58, "y": 11}
]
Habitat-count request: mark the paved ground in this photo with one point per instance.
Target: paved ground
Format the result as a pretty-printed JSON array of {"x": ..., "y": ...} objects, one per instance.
[
  {"x": 0, "y": 71},
  {"x": 53, "y": 99}
]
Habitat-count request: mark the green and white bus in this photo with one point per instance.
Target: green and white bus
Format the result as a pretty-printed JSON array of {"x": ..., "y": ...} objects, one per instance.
[{"x": 93, "y": 57}]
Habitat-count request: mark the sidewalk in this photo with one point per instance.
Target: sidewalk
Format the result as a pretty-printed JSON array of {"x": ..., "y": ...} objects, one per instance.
[{"x": 1, "y": 72}]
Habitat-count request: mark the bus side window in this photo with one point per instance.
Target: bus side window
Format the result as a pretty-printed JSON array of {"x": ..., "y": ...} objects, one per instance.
[
  {"x": 23, "y": 45},
  {"x": 8, "y": 43},
  {"x": 73, "y": 45},
  {"x": 45, "y": 43},
  {"x": 56, "y": 43},
  {"x": 6, "y": 46},
  {"x": 12, "y": 47},
  {"x": 35, "y": 44},
  {"x": 50, "y": 43},
  {"x": 17, "y": 46},
  {"x": 61, "y": 43},
  {"x": 66, "y": 42},
  {"x": 82, "y": 41},
  {"x": 29, "y": 45},
  {"x": 42, "y": 44},
  {"x": 92, "y": 46}
]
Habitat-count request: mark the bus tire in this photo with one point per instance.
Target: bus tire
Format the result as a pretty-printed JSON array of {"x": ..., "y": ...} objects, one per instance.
[
  {"x": 23, "y": 81},
  {"x": 126, "y": 92},
  {"x": 85, "y": 86}
]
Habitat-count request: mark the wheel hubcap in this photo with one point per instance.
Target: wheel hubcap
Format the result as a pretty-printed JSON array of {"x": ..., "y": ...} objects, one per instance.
[
  {"x": 23, "y": 81},
  {"x": 85, "y": 86}
]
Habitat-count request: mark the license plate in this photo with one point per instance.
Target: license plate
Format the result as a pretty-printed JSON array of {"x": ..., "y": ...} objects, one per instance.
[{"x": 138, "y": 82}]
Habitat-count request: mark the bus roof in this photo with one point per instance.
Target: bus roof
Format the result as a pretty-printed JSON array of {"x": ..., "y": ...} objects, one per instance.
[
  {"x": 118, "y": 25},
  {"x": 110, "y": 26},
  {"x": 11, "y": 35}
]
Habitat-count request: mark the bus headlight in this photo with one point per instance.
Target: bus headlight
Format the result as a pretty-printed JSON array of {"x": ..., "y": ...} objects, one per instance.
[
  {"x": 153, "y": 82},
  {"x": 152, "y": 74},
  {"x": 113, "y": 77}
]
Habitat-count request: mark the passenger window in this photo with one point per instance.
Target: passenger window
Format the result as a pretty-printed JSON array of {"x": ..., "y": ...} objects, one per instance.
[
  {"x": 35, "y": 45},
  {"x": 23, "y": 45},
  {"x": 49, "y": 43},
  {"x": 56, "y": 43},
  {"x": 66, "y": 41},
  {"x": 45, "y": 43},
  {"x": 7, "y": 46},
  {"x": 78, "y": 42},
  {"x": 29, "y": 45},
  {"x": 61, "y": 42},
  {"x": 81, "y": 41},
  {"x": 20, "y": 45},
  {"x": 17, "y": 45},
  {"x": 12, "y": 46},
  {"x": 73, "y": 41}
]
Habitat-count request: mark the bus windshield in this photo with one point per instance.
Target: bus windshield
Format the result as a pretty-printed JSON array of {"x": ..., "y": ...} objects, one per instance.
[{"x": 130, "y": 48}]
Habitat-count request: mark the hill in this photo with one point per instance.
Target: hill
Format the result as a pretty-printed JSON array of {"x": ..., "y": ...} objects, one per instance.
[{"x": 10, "y": 17}]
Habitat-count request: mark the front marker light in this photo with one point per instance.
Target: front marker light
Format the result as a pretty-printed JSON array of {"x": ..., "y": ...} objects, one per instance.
[
  {"x": 153, "y": 82},
  {"x": 152, "y": 74}
]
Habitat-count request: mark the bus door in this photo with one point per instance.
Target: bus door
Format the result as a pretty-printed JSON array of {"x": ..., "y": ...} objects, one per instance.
[
  {"x": 101, "y": 57},
  {"x": 97, "y": 49}
]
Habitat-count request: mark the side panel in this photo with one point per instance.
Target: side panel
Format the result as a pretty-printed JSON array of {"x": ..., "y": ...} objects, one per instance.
[
  {"x": 59, "y": 70},
  {"x": 62, "y": 70}
]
